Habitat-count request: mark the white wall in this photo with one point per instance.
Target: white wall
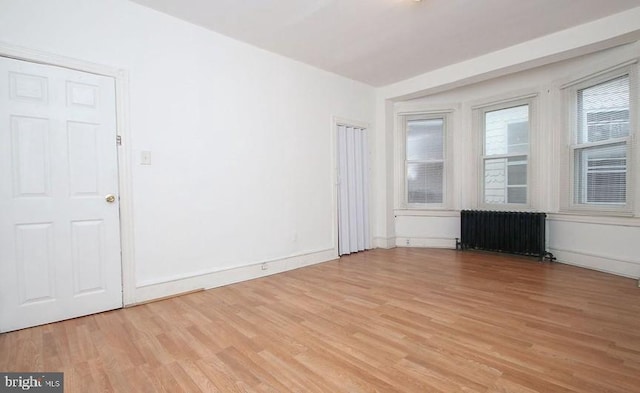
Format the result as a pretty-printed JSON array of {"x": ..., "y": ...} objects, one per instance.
[
  {"x": 602, "y": 243},
  {"x": 240, "y": 138}
]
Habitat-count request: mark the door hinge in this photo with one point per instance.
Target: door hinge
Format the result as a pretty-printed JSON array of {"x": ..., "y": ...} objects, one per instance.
[{"x": 118, "y": 140}]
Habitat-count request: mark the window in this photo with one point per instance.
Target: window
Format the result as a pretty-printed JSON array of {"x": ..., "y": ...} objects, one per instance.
[
  {"x": 600, "y": 143},
  {"x": 424, "y": 167},
  {"x": 505, "y": 154}
]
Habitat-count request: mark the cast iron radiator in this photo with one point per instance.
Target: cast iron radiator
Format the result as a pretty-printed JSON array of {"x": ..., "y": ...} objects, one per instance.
[{"x": 512, "y": 232}]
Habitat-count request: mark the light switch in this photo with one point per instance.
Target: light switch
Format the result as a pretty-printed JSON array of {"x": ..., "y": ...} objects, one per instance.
[{"x": 145, "y": 158}]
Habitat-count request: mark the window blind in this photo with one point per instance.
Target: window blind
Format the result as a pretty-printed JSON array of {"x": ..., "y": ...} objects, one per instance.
[
  {"x": 601, "y": 143},
  {"x": 425, "y": 160}
]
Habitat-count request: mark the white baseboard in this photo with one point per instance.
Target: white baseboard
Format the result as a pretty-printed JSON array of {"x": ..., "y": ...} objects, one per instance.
[
  {"x": 601, "y": 263},
  {"x": 384, "y": 242},
  {"x": 207, "y": 280},
  {"x": 426, "y": 242}
]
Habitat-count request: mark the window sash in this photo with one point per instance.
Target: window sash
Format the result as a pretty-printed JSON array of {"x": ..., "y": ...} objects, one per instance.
[
  {"x": 437, "y": 193},
  {"x": 515, "y": 145},
  {"x": 604, "y": 130},
  {"x": 436, "y": 196},
  {"x": 582, "y": 193},
  {"x": 502, "y": 192}
]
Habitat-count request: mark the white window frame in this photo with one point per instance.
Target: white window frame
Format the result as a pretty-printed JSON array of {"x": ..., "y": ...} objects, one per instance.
[
  {"x": 572, "y": 148},
  {"x": 480, "y": 115},
  {"x": 402, "y": 196}
]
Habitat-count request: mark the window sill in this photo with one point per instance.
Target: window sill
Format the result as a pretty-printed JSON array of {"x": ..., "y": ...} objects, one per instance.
[
  {"x": 426, "y": 212},
  {"x": 507, "y": 208},
  {"x": 595, "y": 211},
  {"x": 602, "y": 218}
]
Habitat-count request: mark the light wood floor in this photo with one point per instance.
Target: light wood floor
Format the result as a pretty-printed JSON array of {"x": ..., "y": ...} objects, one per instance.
[{"x": 406, "y": 320}]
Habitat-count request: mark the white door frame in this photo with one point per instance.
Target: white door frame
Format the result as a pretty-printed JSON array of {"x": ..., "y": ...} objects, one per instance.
[
  {"x": 124, "y": 151},
  {"x": 335, "y": 122}
]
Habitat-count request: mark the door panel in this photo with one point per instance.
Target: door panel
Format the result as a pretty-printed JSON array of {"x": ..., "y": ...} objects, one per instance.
[
  {"x": 59, "y": 238},
  {"x": 83, "y": 150},
  {"x": 34, "y": 259},
  {"x": 31, "y": 161}
]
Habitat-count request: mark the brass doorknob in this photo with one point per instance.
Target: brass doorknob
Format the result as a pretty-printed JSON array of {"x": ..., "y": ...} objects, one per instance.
[{"x": 110, "y": 198}]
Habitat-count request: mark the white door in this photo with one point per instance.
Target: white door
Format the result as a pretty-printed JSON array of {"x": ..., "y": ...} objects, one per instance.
[{"x": 59, "y": 236}]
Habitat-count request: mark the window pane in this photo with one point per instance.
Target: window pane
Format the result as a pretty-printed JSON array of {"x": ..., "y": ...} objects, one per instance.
[
  {"x": 518, "y": 137},
  {"x": 517, "y": 194},
  {"x": 517, "y": 171},
  {"x": 495, "y": 180},
  {"x": 601, "y": 174},
  {"x": 424, "y": 182},
  {"x": 603, "y": 111},
  {"x": 507, "y": 131},
  {"x": 424, "y": 140}
]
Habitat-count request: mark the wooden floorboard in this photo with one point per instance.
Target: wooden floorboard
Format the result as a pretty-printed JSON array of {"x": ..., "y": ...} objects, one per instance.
[{"x": 406, "y": 320}]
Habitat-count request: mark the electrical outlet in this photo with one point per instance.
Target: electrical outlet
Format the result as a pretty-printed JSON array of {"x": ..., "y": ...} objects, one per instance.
[
  {"x": 145, "y": 157},
  {"x": 407, "y": 242},
  {"x": 264, "y": 266}
]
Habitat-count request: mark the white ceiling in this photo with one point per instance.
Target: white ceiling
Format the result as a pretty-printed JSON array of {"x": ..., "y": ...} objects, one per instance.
[{"x": 384, "y": 41}]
